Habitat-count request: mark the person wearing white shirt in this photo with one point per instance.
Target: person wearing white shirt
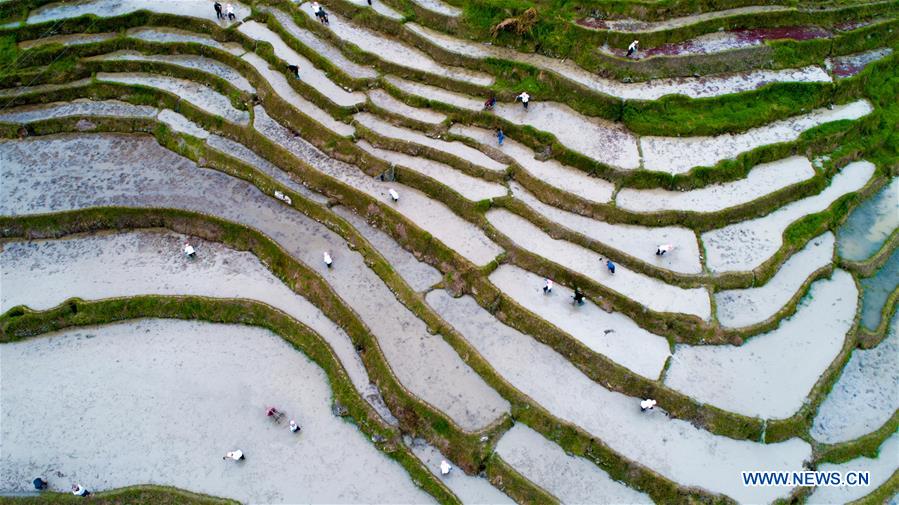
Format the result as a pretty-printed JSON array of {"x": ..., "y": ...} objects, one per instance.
[
  {"x": 664, "y": 248},
  {"x": 327, "y": 258},
  {"x": 524, "y": 98},
  {"x": 647, "y": 404},
  {"x": 631, "y": 49},
  {"x": 235, "y": 455},
  {"x": 394, "y": 195}
]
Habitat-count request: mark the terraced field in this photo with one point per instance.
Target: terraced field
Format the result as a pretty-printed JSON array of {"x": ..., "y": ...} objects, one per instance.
[{"x": 373, "y": 249}]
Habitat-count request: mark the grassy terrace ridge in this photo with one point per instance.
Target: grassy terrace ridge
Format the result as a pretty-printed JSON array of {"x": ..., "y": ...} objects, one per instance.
[
  {"x": 20, "y": 322},
  {"x": 869, "y": 267},
  {"x": 594, "y": 366},
  {"x": 882, "y": 494},
  {"x": 596, "y": 448},
  {"x": 556, "y": 32},
  {"x": 700, "y": 176},
  {"x": 672, "y": 115},
  {"x": 815, "y": 141},
  {"x": 132, "y": 495},
  {"x": 666, "y": 116},
  {"x": 871, "y": 338},
  {"x": 774, "y": 54},
  {"x": 795, "y": 237},
  {"x": 708, "y": 416},
  {"x": 866, "y": 445},
  {"x": 874, "y": 138}
]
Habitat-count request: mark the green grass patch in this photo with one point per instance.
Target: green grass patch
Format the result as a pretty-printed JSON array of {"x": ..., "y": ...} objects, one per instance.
[
  {"x": 132, "y": 495},
  {"x": 680, "y": 115},
  {"x": 9, "y": 51}
]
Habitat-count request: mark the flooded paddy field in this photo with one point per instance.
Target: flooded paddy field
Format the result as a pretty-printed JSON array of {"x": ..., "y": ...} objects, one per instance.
[
  {"x": 570, "y": 479},
  {"x": 674, "y": 448},
  {"x": 42, "y": 274},
  {"x": 748, "y": 244},
  {"x": 202, "y": 96},
  {"x": 866, "y": 394},
  {"x": 770, "y": 375},
  {"x": 204, "y": 388},
  {"x": 877, "y": 289},
  {"x": 649, "y": 291},
  {"x": 190, "y": 8},
  {"x": 165, "y": 180},
  {"x": 745, "y": 307},
  {"x": 870, "y": 224},
  {"x": 727, "y": 40},
  {"x": 382, "y": 194}
]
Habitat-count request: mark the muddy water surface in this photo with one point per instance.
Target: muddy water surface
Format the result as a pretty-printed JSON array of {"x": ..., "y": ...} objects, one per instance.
[
  {"x": 92, "y": 405},
  {"x": 83, "y": 171}
]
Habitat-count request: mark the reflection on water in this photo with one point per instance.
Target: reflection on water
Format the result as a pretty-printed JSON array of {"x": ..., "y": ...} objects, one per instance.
[
  {"x": 870, "y": 224},
  {"x": 876, "y": 290}
]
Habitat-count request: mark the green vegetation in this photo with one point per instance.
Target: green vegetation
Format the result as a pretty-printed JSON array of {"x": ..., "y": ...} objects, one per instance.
[
  {"x": 615, "y": 376},
  {"x": 504, "y": 477},
  {"x": 9, "y": 52},
  {"x": 556, "y": 32},
  {"x": 132, "y": 495},
  {"x": 20, "y": 323},
  {"x": 679, "y": 115},
  {"x": 864, "y": 446},
  {"x": 875, "y": 137}
]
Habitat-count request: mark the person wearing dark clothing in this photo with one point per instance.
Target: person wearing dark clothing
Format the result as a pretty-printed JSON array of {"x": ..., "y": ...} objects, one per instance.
[
  {"x": 39, "y": 484},
  {"x": 295, "y": 70},
  {"x": 320, "y": 13},
  {"x": 490, "y": 103},
  {"x": 218, "y": 11},
  {"x": 578, "y": 296}
]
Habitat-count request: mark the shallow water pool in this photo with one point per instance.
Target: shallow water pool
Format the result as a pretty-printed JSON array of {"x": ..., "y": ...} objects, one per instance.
[{"x": 870, "y": 224}]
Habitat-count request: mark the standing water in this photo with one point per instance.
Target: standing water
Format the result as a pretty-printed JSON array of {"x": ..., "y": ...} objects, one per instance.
[
  {"x": 870, "y": 224},
  {"x": 876, "y": 289}
]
